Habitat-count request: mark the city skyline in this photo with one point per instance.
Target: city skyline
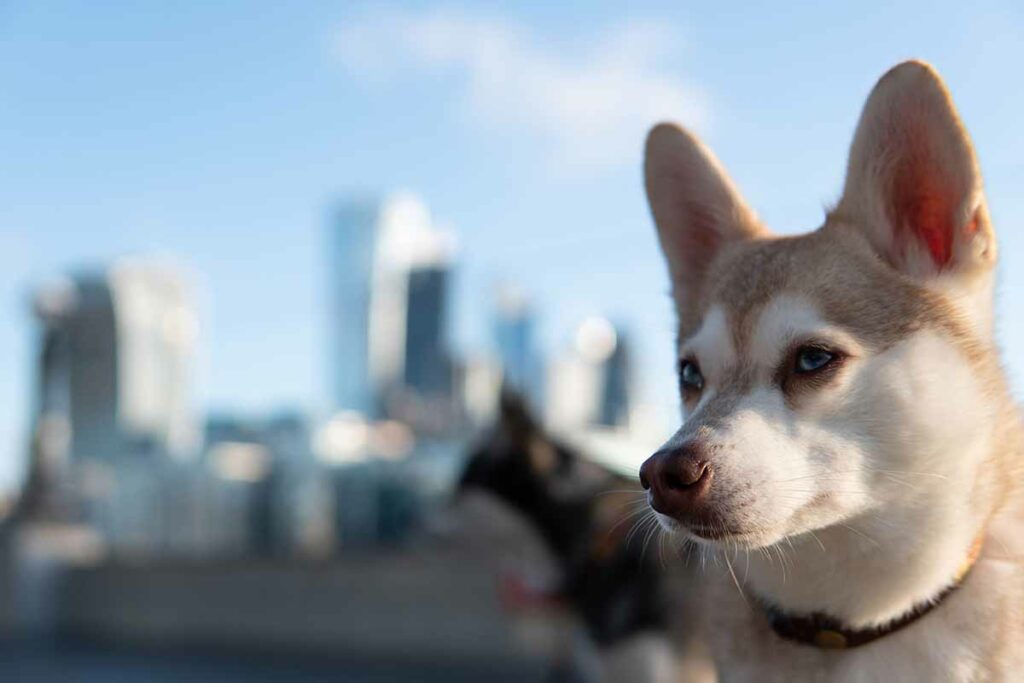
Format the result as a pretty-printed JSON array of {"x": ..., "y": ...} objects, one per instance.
[
  {"x": 222, "y": 136},
  {"x": 116, "y": 445}
]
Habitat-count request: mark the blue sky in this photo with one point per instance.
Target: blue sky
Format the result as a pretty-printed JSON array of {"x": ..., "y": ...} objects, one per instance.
[{"x": 218, "y": 134}]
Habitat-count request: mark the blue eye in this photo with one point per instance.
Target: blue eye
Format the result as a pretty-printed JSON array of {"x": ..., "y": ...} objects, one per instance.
[
  {"x": 689, "y": 376},
  {"x": 812, "y": 358}
]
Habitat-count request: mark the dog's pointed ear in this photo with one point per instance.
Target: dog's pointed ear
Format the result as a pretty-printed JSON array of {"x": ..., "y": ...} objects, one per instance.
[
  {"x": 913, "y": 184},
  {"x": 695, "y": 205}
]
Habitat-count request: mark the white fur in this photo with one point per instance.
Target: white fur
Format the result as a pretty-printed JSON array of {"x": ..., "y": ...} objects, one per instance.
[
  {"x": 788, "y": 318},
  {"x": 712, "y": 344}
]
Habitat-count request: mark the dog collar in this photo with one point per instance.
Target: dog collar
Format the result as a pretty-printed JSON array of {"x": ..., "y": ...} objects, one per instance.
[{"x": 823, "y": 631}]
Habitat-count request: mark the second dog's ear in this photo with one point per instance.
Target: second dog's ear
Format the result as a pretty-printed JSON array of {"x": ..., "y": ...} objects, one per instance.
[{"x": 696, "y": 207}]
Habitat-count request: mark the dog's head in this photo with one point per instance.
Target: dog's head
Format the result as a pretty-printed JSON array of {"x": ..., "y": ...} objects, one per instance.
[
  {"x": 520, "y": 464},
  {"x": 577, "y": 507},
  {"x": 839, "y": 373}
]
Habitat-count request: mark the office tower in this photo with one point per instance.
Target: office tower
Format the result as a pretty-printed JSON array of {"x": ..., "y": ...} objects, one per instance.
[
  {"x": 390, "y": 268},
  {"x": 590, "y": 385},
  {"x": 615, "y": 405},
  {"x": 118, "y": 350},
  {"x": 428, "y": 368},
  {"x": 513, "y": 336},
  {"x": 354, "y": 236}
]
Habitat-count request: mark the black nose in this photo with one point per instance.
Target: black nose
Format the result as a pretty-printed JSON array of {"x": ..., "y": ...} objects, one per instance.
[{"x": 678, "y": 478}]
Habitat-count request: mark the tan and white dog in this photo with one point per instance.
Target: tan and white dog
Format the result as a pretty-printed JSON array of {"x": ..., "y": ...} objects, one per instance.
[{"x": 851, "y": 453}]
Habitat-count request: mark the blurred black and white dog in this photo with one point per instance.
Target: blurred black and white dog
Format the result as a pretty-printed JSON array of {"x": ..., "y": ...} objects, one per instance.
[{"x": 608, "y": 579}]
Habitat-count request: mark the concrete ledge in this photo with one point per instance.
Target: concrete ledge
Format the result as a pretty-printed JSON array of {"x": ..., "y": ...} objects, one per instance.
[{"x": 396, "y": 606}]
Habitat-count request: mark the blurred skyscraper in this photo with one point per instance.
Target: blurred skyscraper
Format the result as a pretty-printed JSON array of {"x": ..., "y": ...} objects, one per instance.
[
  {"x": 391, "y": 270},
  {"x": 354, "y": 235},
  {"x": 428, "y": 367},
  {"x": 513, "y": 331},
  {"x": 116, "y": 367},
  {"x": 590, "y": 386},
  {"x": 615, "y": 394}
]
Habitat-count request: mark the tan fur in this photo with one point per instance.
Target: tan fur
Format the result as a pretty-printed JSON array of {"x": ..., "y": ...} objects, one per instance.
[{"x": 867, "y": 552}]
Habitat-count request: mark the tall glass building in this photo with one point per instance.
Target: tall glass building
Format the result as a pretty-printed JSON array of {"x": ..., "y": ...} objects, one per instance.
[
  {"x": 591, "y": 386},
  {"x": 118, "y": 352},
  {"x": 354, "y": 236},
  {"x": 615, "y": 394},
  {"x": 427, "y": 363},
  {"x": 513, "y": 335},
  {"x": 389, "y": 282}
]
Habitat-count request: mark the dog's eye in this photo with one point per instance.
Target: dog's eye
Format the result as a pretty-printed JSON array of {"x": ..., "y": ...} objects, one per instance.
[
  {"x": 812, "y": 358},
  {"x": 690, "y": 377}
]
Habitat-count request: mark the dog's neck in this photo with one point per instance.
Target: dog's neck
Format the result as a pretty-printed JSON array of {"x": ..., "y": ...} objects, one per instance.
[{"x": 866, "y": 572}]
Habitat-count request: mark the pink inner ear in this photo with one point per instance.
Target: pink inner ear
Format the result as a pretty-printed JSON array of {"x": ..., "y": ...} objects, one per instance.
[{"x": 926, "y": 212}]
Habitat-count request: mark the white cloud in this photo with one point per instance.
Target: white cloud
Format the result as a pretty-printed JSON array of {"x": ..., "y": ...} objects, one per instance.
[{"x": 593, "y": 106}]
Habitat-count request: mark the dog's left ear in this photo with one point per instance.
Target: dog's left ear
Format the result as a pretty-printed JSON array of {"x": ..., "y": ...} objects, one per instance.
[{"x": 913, "y": 184}]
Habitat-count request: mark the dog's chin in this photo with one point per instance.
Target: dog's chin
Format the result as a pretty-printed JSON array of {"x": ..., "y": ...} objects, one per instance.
[{"x": 720, "y": 534}]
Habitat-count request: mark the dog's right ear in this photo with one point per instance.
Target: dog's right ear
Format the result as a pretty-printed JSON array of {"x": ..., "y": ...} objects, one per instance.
[{"x": 696, "y": 207}]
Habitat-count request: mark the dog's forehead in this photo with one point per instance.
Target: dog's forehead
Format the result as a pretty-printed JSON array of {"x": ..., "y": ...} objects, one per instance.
[
  {"x": 746, "y": 280},
  {"x": 763, "y": 288},
  {"x": 724, "y": 340}
]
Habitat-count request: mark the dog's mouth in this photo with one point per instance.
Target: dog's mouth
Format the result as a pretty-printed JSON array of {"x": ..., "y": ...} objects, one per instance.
[{"x": 715, "y": 532}]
